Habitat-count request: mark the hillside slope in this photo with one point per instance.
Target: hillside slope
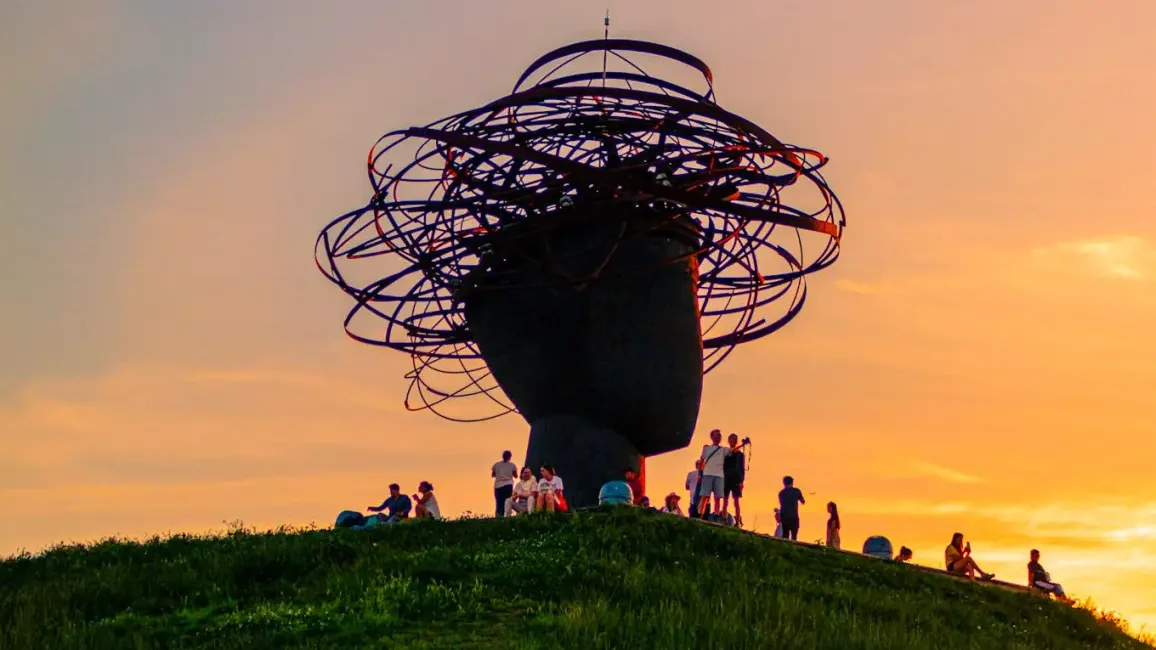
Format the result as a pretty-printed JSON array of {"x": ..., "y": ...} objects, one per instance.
[{"x": 622, "y": 579}]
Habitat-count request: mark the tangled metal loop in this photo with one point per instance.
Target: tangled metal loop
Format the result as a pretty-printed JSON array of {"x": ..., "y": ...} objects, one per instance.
[{"x": 564, "y": 149}]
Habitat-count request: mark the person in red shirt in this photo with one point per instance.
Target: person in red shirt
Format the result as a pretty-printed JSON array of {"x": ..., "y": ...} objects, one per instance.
[{"x": 636, "y": 488}]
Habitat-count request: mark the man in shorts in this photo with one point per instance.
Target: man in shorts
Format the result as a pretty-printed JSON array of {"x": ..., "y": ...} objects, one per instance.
[
  {"x": 712, "y": 457},
  {"x": 734, "y": 475}
]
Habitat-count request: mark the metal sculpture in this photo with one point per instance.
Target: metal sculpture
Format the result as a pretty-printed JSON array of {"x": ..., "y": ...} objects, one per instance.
[{"x": 591, "y": 244}]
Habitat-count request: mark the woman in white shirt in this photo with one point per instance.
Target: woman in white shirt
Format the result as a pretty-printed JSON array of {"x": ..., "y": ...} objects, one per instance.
[
  {"x": 425, "y": 503},
  {"x": 524, "y": 495},
  {"x": 550, "y": 490}
]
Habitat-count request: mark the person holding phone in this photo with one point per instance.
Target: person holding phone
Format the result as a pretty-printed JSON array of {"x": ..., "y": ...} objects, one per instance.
[{"x": 957, "y": 557}]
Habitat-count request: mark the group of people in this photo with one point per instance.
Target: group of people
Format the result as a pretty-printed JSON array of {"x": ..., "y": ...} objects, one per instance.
[
  {"x": 398, "y": 506},
  {"x": 957, "y": 560},
  {"x": 720, "y": 472},
  {"x": 521, "y": 492}
]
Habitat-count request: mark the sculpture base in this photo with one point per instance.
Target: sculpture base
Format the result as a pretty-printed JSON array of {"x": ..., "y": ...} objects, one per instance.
[{"x": 586, "y": 455}]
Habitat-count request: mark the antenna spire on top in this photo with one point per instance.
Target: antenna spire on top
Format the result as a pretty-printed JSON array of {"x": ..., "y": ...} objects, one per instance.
[{"x": 605, "y": 36}]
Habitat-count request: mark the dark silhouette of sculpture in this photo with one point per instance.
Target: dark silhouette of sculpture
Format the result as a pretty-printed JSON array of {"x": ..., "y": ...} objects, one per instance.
[{"x": 587, "y": 244}]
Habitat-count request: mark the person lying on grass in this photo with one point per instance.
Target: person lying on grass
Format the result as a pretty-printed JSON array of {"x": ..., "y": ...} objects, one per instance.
[
  {"x": 1041, "y": 580},
  {"x": 427, "y": 503},
  {"x": 397, "y": 503},
  {"x": 957, "y": 556}
]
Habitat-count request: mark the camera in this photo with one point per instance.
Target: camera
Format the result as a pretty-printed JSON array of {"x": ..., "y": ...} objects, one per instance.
[{"x": 746, "y": 441}]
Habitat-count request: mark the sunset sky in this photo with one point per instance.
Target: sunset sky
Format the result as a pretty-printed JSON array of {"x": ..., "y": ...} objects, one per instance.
[{"x": 981, "y": 359}]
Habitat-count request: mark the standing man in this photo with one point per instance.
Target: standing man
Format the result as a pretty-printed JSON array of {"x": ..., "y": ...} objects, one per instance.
[
  {"x": 789, "y": 499},
  {"x": 712, "y": 458},
  {"x": 503, "y": 472},
  {"x": 692, "y": 480},
  {"x": 734, "y": 475}
]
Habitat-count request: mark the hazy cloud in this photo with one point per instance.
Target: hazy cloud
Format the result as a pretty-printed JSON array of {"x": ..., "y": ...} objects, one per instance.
[
  {"x": 944, "y": 473},
  {"x": 1123, "y": 257}
]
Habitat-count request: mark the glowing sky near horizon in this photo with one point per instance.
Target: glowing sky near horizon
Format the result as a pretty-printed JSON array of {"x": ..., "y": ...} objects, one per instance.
[{"x": 980, "y": 359}]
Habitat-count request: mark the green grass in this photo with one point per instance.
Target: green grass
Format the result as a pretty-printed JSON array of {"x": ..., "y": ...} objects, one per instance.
[{"x": 621, "y": 579}]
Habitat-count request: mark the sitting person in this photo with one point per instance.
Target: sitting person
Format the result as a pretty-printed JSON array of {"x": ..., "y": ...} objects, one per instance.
[
  {"x": 524, "y": 495},
  {"x": 550, "y": 496},
  {"x": 671, "y": 505},
  {"x": 904, "y": 556},
  {"x": 427, "y": 503},
  {"x": 957, "y": 557},
  {"x": 397, "y": 503},
  {"x": 644, "y": 502},
  {"x": 1040, "y": 579}
]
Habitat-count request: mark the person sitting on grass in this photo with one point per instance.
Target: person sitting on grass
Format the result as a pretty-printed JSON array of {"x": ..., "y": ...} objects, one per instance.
[
  {"x": 397, "y": 503},
  {"x": 549, "y": 491},
  {"x": 904, "y": 556},
  {"x": 957, "y": 557},
  {"x": 644, "y": 502},
  {"x": 524, "y": 495},
  {"x": 427, "y": 503},
  {"x": 671, "y": 506},
  {"x": 1041, "y": 580}
]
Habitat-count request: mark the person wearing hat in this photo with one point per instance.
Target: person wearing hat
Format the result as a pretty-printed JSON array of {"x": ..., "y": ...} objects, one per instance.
[{"x": 671, "y": 506}]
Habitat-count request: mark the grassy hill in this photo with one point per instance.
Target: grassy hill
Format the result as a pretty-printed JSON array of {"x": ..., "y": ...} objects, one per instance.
[{"x": 622, "y": 579}]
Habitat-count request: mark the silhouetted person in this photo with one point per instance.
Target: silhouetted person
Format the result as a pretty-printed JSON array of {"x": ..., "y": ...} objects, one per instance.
[
  {"x": 1040, "y": 579},
  {"x": 833, "y": 525},
  {"x": 957, "y": 557},
  {"x": 636, "y": 491},
  {"x": 503, "y": 472},
  {"x": 397, "y": 503},
  {"x": 789, "y": 500},
  {"x": 904, "y": 556},
  {"x": 734, "y": 476}
]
